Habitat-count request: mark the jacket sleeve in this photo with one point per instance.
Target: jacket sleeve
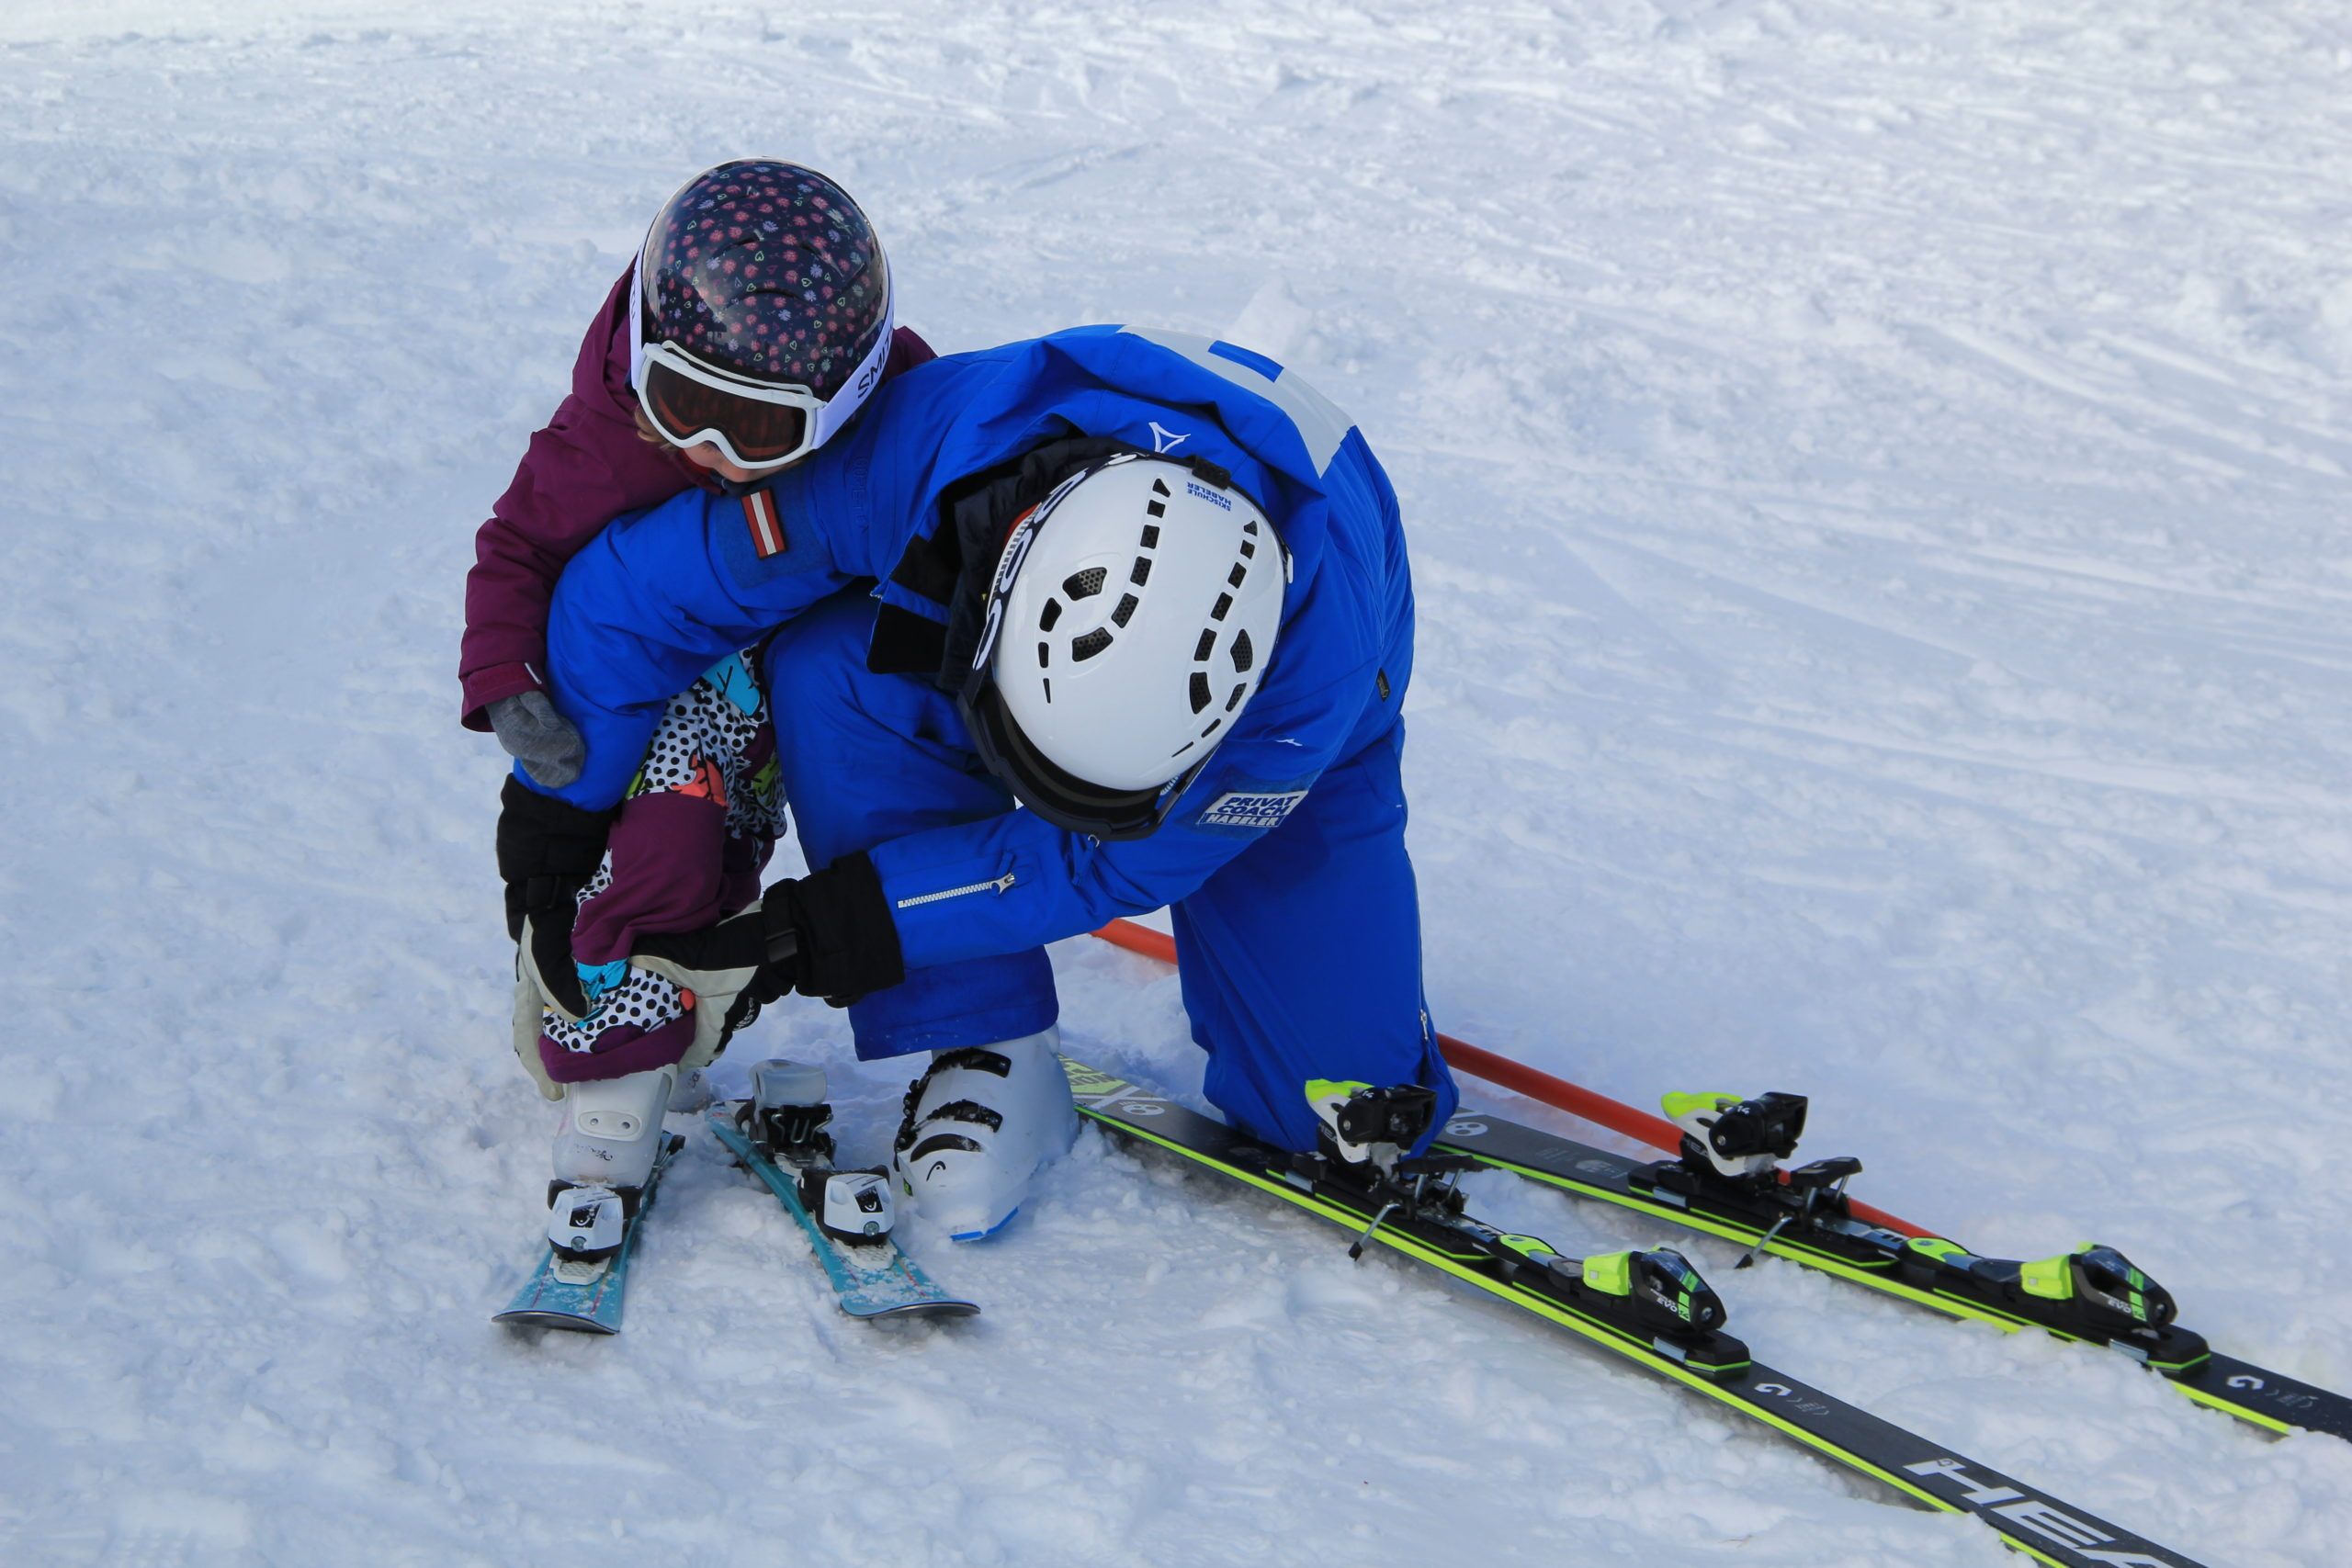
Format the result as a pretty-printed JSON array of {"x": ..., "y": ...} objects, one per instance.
[
  {"x": 587, "y": 467},
  {"x": 659, "y": 597},
  {"x": 656, "y": 600},
  {"x": 1012, "y": 882}
]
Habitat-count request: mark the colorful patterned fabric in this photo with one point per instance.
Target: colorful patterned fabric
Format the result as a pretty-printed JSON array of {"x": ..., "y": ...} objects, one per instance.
[{"x": 686, "y": 851}]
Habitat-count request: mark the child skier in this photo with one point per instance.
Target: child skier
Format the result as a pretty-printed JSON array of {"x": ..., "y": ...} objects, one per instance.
[{"x": 752, "y": 326}]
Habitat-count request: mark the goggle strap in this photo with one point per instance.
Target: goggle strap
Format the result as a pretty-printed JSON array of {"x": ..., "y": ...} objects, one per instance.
[{"x": 636, "y": 328}]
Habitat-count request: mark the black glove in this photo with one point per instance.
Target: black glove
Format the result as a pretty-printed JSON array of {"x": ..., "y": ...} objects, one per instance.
[
  {"x": 832, "y": 932},
  {"x": 827, "y": 934},
  {"x": 548, "y": 850}
]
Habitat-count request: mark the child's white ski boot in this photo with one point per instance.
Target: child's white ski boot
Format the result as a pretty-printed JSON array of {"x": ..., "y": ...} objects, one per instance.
[{"x": 604, "y": 1154}]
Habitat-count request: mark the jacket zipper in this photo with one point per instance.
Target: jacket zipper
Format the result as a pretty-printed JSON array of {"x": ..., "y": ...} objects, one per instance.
[{"x": 997, "y": 885}]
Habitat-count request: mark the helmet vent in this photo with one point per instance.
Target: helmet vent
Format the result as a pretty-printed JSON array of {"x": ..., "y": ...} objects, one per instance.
[
  {"x": 1142, "y": 572},
  {"x": 1045, "y": 655},
  {"x": 1248, "y": 550},
  {"x": 1239, "y": 572},
  {"x": 1151, "y": 536},
  {"x": 1235, "y": 701},
  {"x": 1206, "y": 645},
  {"x": 1155, "y": 508},
  {"x": 1224, "y": 603},
  {"x": 1089, "y": 644},
  {"x": 1249, "y": 526},
  {"x": 1125, "y": 612},
  {"x": 1052, "y": 612},
  {"x": 1242, "y": 656},
  {"x": 1159, "y": 486},
  {"x": 1084, "y": 584},
  {"x": 1200, "y": 691}
]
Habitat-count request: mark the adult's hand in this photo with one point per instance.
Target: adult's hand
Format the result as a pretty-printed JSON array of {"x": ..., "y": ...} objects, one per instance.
[
  {"x": 548, "y": 850},
  {"x": 827, "y": 934}
]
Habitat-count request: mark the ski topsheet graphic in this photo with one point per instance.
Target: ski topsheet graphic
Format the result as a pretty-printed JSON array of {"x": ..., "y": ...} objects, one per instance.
[{"x": 1649, "y": 1308}]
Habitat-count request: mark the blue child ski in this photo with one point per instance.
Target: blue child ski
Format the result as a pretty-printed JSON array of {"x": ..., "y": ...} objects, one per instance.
[
  {"x": 584, "y": 1295},
  {"x": 778, "y": 1135}
]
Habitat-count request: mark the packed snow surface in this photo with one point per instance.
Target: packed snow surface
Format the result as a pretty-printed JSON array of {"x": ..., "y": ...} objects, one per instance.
[{"x": 1877, "y": 477}]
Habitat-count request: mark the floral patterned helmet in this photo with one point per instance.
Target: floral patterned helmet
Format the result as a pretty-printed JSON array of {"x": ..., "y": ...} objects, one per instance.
[{"x": 762, "y": 312}]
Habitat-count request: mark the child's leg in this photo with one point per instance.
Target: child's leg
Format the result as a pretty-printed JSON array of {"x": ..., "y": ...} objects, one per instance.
[{"x": 684, "y": 851}]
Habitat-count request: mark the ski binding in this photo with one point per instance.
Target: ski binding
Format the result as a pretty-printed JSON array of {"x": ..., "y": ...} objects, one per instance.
[{"x": 779, "y": 1135}]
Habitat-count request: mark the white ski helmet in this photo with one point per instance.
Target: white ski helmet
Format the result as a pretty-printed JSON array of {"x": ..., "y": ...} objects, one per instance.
[{"x": 1132, "y": 614}]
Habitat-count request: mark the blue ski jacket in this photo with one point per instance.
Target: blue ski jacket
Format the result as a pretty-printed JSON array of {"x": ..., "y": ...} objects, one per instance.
[{"x": 662, "y": 595}]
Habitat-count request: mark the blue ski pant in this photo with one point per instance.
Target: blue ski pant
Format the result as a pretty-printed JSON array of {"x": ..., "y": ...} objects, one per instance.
[{"x": 1300, "y": 958}]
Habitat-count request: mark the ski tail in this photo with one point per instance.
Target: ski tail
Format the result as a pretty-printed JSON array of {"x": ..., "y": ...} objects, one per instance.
[{"x": 586, "y": 1298}]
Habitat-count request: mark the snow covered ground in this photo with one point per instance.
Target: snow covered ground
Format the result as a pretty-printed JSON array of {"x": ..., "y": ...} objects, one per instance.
[{"x": 1879, "y": 474}]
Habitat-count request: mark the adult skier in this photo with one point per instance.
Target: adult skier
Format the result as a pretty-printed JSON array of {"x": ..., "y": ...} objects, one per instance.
[{"x": 1149, "y": 587}]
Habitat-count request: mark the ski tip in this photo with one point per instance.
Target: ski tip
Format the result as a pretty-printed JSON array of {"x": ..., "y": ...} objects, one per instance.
[
  {"x": 919, "y": 1310},
  {"x": 569, "y": 1322}
]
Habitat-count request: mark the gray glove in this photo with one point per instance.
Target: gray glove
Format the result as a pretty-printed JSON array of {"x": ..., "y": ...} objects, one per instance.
[{"x": 539, "y": 738}]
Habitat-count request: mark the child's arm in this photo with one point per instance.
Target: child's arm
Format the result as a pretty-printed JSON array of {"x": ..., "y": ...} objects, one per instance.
[{"x": 587, "y": 467}]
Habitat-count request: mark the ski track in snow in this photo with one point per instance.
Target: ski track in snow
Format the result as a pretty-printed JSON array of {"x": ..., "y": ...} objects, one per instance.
[{"x": 1878, "y": 477}]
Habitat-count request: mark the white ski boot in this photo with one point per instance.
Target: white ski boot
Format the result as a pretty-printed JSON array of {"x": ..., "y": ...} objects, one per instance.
[
  {"x": 978, "y": 1125},
  {"x": 604, "y": 1153}
]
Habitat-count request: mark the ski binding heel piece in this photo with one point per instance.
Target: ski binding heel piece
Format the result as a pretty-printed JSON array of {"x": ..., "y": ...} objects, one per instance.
[
  {"x": 1831, "y": 1174},
  {"x": 1738, "y": 1139},
  {"x": 1359, "y": 1124}
]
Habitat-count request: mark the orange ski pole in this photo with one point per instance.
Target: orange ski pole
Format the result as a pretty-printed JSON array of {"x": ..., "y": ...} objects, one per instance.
[{"x": 1520, "y": 1079}]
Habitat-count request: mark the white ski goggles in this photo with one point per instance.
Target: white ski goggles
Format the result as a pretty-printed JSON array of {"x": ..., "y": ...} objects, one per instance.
[{"x": 756, "y": 425}]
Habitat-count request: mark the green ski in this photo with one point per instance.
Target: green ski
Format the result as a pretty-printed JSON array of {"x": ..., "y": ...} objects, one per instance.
[{"x": 1648, "y": 1308}]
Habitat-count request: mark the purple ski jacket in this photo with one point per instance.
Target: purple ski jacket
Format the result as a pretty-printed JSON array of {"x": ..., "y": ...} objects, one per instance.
[{"x": 587, "y": 467}]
